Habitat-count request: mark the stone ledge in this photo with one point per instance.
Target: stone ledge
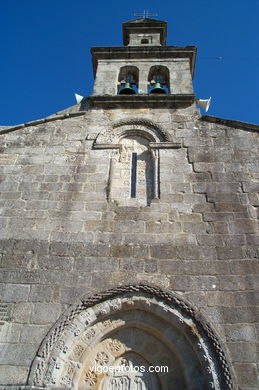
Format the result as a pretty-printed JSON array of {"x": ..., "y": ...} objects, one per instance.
[
  {"x": 142, "y": 101},
  {"x": 124, "y": 52}
]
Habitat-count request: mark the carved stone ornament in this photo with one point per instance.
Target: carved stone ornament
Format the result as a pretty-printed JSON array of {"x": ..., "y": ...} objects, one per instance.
[
  {"x": 156, "y": 329},
  {"x": 141, "y": 127}
]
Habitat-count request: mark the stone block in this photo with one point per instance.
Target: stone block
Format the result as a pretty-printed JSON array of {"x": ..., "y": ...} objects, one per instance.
[
  {"x": 10, "y": 332},
  {"x": 180, "y": 187},
  {"x": 219, "y": 298},
  {"x": 232, "y": 283},
  {"x": 228, "y": 187},
  {"x": 171, "y": 198},
  {"x": 210, "y": 240},
  {"x": 203, "y": 188},
  {"x": 252, "y": 281},
  {"x": 105, "y": 238},
  {"x": 101, "y": 281},
  {"x": 34, "y": 334},
  {"x": 19, "y": 276},
  {"x": 151, "y": 266},
  {"x": 132, "y": 265},
  {"x": 245, "y": 267},
  {"x": 250, "y": 187},
  {"x": 243, "y": 225},
  {"x": 240, "y": 332},
  {"x": 21, "y": 312},
  {"x": 242, "y": 352},
  {"x": 220, "y": 227},
  {"x": 231, "y": 240},
  {"x": 69, "y": 295},
  {"x": 195, "y": 252},
  {"x": 45, "y": 313},
  {"x": 231, "y": 252},
  {"x": 181, "y": 283},
  {"x": 224, "y": 197},
  {"x": 124, "y": 250},
  {"x": 129, "y": 226},
  {"x": 64, "y": 278},
  {"x": 67, "y": 237},
  {"x": 194, "y": 198},
  {"x": 196, "y": 228},
  {"x": 164, "y": 252},
  {"x": 14, "y": 292},
  {"x": 213, "y": 217},
  {"x": 97, "y": 264},
  {"x": 194, "y": 217},
  {"x": 78, "y": 249},
  {"x": 36, "y": 246},
  {"x": 55, "y": 262},
  {"x": 17, "y": 354},
  {"x": 247, "y": 374},
  {"x": 237, "y": 315},
  {"x": 163, "y": 227},
  {"x": 205, "y": 283},
  {"x": 213, "y": 315},
  {"x": 41, "y": 293},
  {"x": 247, "y": 298},
  {"x": 102, "y": 226},
  {"x": 13, "y": 375}
]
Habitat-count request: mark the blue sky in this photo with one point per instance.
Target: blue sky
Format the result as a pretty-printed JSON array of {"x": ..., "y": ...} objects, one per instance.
[{"x": 45, "y": 51}]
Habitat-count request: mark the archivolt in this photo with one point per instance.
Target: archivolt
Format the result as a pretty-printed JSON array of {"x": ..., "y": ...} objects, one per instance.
[
  {"x": 141, "y": 127},
  {"x": 137, "y": 320}
]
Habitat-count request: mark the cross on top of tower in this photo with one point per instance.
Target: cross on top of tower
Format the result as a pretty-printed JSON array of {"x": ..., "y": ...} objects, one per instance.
[{"x": 145, "y": 14}]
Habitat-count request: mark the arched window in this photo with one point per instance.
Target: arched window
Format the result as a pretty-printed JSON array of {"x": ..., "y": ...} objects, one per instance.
[
  {"x": 132, "y": 181},
  {"x": 159, "y": 79},
  {"x": 128, "y": 80}
]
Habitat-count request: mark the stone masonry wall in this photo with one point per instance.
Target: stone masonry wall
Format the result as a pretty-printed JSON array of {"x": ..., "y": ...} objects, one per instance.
[{"x": 61, "y": 239}]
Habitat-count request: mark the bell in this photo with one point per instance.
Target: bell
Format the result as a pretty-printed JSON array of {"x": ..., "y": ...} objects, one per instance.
[
  {"x": 158, "y": 88},
  {"x": 127, "y": 90}
]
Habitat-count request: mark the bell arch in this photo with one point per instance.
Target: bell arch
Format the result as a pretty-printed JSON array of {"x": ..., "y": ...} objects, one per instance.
[
  {"x": 159, "y": 74},
  {"x": 139, "y": 325},
  {"x": 128, "y": 77}
]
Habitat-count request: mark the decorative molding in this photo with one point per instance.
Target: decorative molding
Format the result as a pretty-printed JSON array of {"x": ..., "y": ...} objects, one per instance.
[
  {"x": 89, "y": 314},
  {"x": 141, "y": 127},
  {"x": 142, "y": 101},
  {"x": 106, "y": 146},
  {"x": 165, "y": 145}
]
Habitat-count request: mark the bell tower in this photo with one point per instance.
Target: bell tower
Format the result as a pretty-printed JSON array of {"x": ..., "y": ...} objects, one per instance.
[{"x": 144, "y": 72}]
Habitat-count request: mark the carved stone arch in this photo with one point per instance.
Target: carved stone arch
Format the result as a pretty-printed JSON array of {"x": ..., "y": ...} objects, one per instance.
[
  {"x": 134, "y": 174},
  {"x": 137, "y": 323},
  {"x": 146, "y": 128}
]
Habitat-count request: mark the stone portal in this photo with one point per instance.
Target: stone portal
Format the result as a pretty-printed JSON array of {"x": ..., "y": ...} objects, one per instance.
[{"x": 153, "y": 334}]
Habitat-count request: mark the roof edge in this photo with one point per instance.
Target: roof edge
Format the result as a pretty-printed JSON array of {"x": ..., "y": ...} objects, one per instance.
[
  {"x": 52, "y": 118},
  {"x": 231, "y": 123}
]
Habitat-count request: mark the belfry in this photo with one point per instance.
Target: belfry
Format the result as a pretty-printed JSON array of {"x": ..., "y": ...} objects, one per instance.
[{"x": 129, "y": 233}]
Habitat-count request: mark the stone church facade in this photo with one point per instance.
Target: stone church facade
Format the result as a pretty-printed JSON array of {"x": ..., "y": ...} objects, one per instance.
[{"x": 128, "y": 234}]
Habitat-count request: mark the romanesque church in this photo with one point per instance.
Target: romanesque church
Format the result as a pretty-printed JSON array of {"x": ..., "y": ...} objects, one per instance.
[{"x": 128, "y": 234}]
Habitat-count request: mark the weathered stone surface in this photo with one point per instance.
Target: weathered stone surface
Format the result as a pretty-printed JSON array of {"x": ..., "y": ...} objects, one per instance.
[{"x": 15, "y": 375}]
